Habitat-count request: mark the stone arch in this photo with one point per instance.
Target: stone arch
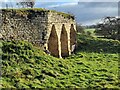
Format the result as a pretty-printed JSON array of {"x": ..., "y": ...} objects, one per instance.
[
  {"x": 64, "y": 42},
  {"x": 53, "y": 42},
  {"x": 72, "y": 36}
]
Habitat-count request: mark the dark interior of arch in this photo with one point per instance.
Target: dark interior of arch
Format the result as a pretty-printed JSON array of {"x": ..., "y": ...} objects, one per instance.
[
  {"x": 72, "y": 36},
  {"x": 64, "y": 42},
  {"x": 53, "y": 42}
]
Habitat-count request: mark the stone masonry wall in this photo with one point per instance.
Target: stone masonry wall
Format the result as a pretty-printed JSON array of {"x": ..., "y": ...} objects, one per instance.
[
  {"x": 60, "y": 22},
  {"x": 19, "y": 26},
  {"x": 43, "y": 28}
]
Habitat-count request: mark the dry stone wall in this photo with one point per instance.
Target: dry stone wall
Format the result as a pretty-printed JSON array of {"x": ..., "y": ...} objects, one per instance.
[{"x": 48, "y": 29}]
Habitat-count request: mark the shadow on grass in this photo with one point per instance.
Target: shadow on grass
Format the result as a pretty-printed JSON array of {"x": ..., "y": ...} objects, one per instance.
[{"x": 92, "y": 44}]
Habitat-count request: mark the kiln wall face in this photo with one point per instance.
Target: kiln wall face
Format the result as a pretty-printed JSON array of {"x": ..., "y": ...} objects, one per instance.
[
  {"x": 19, "y": 26},
  {"x": 47, "y": 29},
  {"x": 65, "y": 30}
]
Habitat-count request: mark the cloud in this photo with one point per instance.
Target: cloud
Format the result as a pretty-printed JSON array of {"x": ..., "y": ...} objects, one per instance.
[
  {"x": 90, "y": 12},
  {"x": 64, "y": 4},
  {"x": 85, "y": 12},
  {"x": 57, "y": 1},
  {"x": 98, "y": 0},
  {"x": 92, "y": 22}
]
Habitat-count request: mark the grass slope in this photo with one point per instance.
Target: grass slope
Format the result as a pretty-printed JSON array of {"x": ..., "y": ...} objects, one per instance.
[{"x": 25, "y": 66}]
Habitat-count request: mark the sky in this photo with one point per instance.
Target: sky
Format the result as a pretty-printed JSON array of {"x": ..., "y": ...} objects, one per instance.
[{"x": 86, "y": 12}]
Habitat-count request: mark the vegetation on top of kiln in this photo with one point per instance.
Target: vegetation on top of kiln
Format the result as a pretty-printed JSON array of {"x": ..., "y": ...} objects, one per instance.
[{"x": 32, "y": 11}]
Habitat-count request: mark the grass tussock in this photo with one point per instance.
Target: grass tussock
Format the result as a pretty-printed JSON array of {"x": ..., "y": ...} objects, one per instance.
[
  {"x": 31, "y": 12},
  {"x": 25, "y": 66}
]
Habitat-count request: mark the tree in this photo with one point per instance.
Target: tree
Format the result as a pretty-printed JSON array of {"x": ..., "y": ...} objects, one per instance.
[
  {"x": 110, "y": 28},
  {"x": 88, "y": 33},
  {"x": 80, "y": 29},
  {"x": 26, "y": 3}
]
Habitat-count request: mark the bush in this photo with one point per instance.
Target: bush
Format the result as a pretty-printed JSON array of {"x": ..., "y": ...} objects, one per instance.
[
  {"x": 88, "y": 33},
  {"x": 26, "y": 66},
  {"x": 92, "y": 44}
]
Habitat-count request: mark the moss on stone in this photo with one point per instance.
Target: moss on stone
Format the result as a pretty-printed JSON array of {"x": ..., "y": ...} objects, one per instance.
[
  {"x": 66, "y": 15},
  {"x": 27, "y": 11}
]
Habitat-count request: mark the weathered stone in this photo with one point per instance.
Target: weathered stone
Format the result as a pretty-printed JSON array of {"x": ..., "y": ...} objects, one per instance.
[{"x": 49, "y": 29}]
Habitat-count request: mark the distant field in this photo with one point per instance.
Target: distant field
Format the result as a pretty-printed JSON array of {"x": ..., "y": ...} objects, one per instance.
[{"x": 90, "y": 30}]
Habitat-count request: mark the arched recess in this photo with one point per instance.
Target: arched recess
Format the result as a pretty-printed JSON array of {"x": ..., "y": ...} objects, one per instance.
[
  {"x": 73, "y": 37},
  {"x": 64, "y": 42},
  {"x": 53, "y": 42}
]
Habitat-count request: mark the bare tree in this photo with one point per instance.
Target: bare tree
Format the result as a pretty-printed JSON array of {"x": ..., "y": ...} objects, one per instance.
[
  {"x": 26, "y": 3},
  {"x": 110, "y": 28}
]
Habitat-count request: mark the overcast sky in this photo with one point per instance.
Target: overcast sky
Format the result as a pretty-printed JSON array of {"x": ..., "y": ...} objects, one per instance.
[
  {"x": 87, "y": 12},
  {"x": 90, "y": 12}
]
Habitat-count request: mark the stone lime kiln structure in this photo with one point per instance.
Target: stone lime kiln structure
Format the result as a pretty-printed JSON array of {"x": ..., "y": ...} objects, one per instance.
[{"x": 54, "y": 30}]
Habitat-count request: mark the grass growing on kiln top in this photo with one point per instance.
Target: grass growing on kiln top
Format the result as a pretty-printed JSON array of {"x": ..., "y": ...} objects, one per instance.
[{"x": 27, "y": 11}]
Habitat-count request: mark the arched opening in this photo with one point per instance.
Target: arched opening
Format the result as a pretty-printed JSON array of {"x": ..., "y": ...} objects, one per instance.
[
  {"x": 73, "y": 38},
  {"x": 53, "y": 42},
  {"x": 64, "y": 42}
]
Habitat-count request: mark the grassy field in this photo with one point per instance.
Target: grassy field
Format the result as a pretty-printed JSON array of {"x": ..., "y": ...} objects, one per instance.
[
  {"x": 95, "y": 65},
  {"x": 91, "y": 30}
]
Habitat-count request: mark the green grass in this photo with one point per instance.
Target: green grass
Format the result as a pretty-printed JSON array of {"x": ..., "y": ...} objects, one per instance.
[
  {"x": 91, "y": 31},
  {"x": 32, "y": 11},
  {"x": 26, "y": 66},
  {"x": 93, "y": 44}
]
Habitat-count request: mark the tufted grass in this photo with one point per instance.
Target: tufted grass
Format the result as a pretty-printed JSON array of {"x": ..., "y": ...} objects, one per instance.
[
  {"x": 26, "y": 66},
  {"x": 27, "y": 11}
]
